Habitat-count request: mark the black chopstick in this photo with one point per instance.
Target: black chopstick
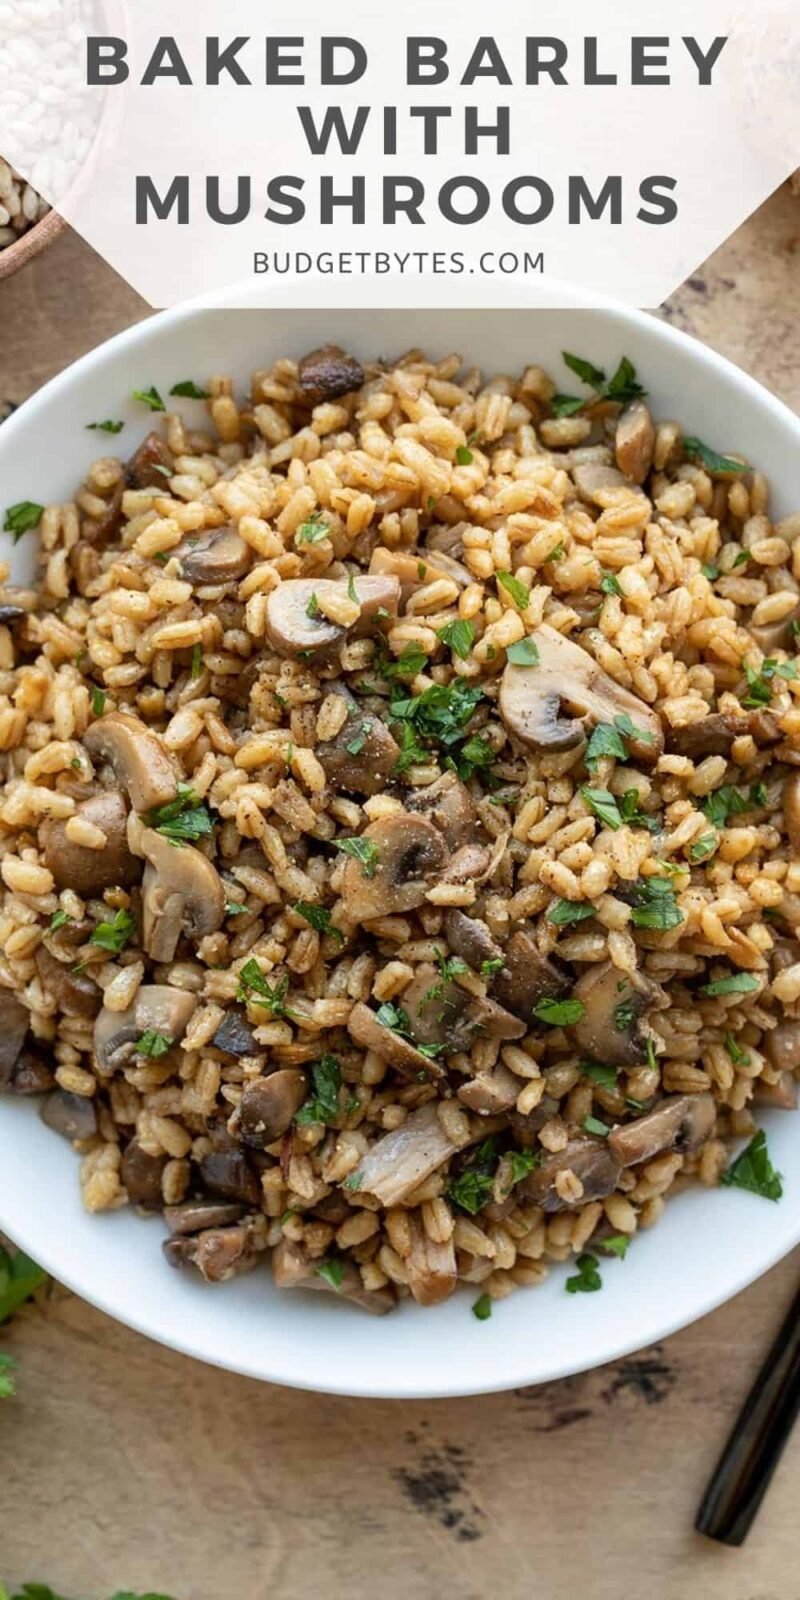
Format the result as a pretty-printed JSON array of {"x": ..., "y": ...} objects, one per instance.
[{"x": 752, "y": 1453}]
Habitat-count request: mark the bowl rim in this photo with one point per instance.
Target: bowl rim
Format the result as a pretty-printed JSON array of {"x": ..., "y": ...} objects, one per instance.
[{"x": 373, "y": 1384}]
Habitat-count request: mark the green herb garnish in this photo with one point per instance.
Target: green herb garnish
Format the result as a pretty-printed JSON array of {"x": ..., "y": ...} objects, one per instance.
[
  {"x": 182, "y": 819},
  {"x": 612, "y": 738},
  {"x": 703, "y": 847},
  {"x": 190, "y": 391},
  {"x": 312, "y": 531},
  {"x": 21, "y": 518},
  {"x": 410, "y": 661},
  {"x": 559, "y": 1013},
  {"x": 113, "y": 936},
  {"x": 58, "y": 920},
  {"x": 323, "y": 1104},
  {"x": 472, "y": 1188},
  {"x": 104, "y": 427},
  {"x": 594, "y": 1125},
  {"x": 605, "y": 1076},
  {"x": 587, "y": 1279},
  {"x": 562, "y": 912},
  {"x": 711, "y": 460},
  {"x": 234, "y": 908},
  {"x": 525, "y": 653},
  {"x": 458, "y": 636},
  {"x": 317, "y": 918},
  {"x": 463, "y": 455},
  {"x": 482, "y": 1308},
  {"x": 519, "y": 591},
  {"x": 618, "y": 1244},
  {"x": 753, "y": 1170},
  {"x": 362, "y": 850},
  {"x": 254, "y": 985},
  {"x": 153, "y": 1044},
  {"x": 19, "y": 1279},
  {"x": 759, "y": 684},
  {"x": 493, "y": 965},
  {"x": 736, "y": 983},
  {"x": 609, "y": 584},
  {"x": 739, "y": 1057},
  {"x": 332, "y": 1272},
  {"x": 654, "y": 905},
  {"x": 150, "y": 398},
  {"x": 98, "y": 702},
  {"x": 604, "y": 806}
]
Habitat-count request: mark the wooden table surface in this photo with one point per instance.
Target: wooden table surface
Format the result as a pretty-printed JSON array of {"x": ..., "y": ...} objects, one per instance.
[{"x": 125, "y": 1466}]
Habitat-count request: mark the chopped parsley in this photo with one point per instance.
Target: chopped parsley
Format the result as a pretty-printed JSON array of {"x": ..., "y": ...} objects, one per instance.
[
  {"x": 332, "y": 1271},
  {"x": 410, "y": 661},
  {"x": 594, "y": 1125},
  {"x": 493, "y": 965},
  {"x": 519, "y": 591},
  {"x": 362, "y": 850},
  {"x": 617, "y": 1245},
  {"x": 709, "y": 570},
  {"x": 312, "y": 609},
  {"x": 609, "y": 584},
  {"x": 472, "y": 1188},
  {"x": 739, "y": 1057},
  {"x": 703, "y": 847},
  {"x": 559, "y": 1013},
  {"x": 611, "y": 739},
  {"x": 654, "y": 905},
  {"x": 197, "y": 661},
  {"x": 22, "y": 517},
  {"x": 557, "y": 552},
  {"x": 150, "y": 398},
  {"x": 475, "y": 752},
  {"x": 411, "y": 751},
  {"x": 317, "y": 918},
  {"x": 562, "y": 912},
  {"x": 113, "y": 936},
  {"x": 464, "y": 455},
  {"x": 190, "y": 391},
  {"x": 104, "y": 427},
  {"x": 7, "y": 1389},
  {"x": 753, "y": 1170},
  {"x": 599, "y": 1073},
  {"x": 525, "y": 653},
  {"x": 395, "y": 1017},
  {"x": 254, "y": 985},
  {"x": 482, "y": 1307},
  {"x": 355, "y": 745},
  {"x": 735, "y": 983},
  {"x": 98, "y": 702},
  {"x": 312, "y": 531},
  {"x": 458, "y": 636},
  {"x": 622, "y": 386},
  {"x": 723, "y": 803},
  {"x": 710, "y": 459},
  {"x": 182, "y": 819},
  {"x": 323, "y": 1104},
  {"x": 58, "y": 920},
  {"x": 587, "y": 1279},
  {"x": 759, "y": 684},
  {"x": 522, "y": 1163},
  {"x": 440, "y": 715},
  {"x": 153, "y": 1044},
  {"x": 352, "y": 592},
  {"x": 353, "y": 1181},
  {"x": 604, "y": 806},
  {"x": 624, "y": 1016},
  {"x": 234, "y": 908}
]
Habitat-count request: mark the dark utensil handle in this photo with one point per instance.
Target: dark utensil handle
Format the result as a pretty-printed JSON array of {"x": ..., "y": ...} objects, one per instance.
[{"x": 755, "y": 1446}]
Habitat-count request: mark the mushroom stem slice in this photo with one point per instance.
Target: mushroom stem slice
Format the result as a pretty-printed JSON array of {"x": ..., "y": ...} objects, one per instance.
[
  {"x": 681, "y": 1122},
  {"x": 158, "y": 1008},
  {"x": 490, "y": 1094},
  {"x": 218, "y": 556},
  {"x": 591, "y": 1160},
  {"x": 295, "y": 614},
  {"x": 407, "y": 851},
  {"x": 615, "y": 1004},
  {"x": 136, "y": 757},
  {"x": 402, "y": 1159},
  {"x": 365, "y": 1029},
  {"x": 552, "y": 706},
  {"x": 431, "y": 1267},
  {"x": 363, "y": 754},
  {"x": 217, "y": 1253},
  {"x": 448, "y": 804},
  {"x": 182, "y": 893},
  {"x": 268, "y": 1105},
  {"x": 635, "y": 440}
]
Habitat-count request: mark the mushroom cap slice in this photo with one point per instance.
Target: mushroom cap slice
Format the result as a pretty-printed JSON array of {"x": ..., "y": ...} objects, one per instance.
[
  {"x": 527, "y": 976},
  {"x": 151, "y": 464},
  {"x": 533, "y": 700},
  {"x": 86, "y": 871},
  {"x": 431, "y": 1268},
  {"x": 365, "y": 1029},
  {"x": 402, "y": 1159},
  {"x": 591, "y": 1161},
  {"x": 448, "y": 804},
  {"x": 217, "y": 1253},
  {"x": 182, "y": 893},
  {"x": 413, "y": 568},
  {"x": 136, "y": 757},
  {"x": 158, "y": 1008},
  {"x": 74, "y": 1116},
  {"x": 268, "y": 1106},
  {"x": 409, "y": 852},
  {"x": 635, "y": 440},
  {"x": 470, "y": 939},
  {"x": 230, "y": 1174},
  {"x": 326, "y": 373},
  {"x": 363, "y": 754},
  {"x": 490, "y": 1094},
  {"x": 235, "y": 1035},
  {"x": 14, "y": 1023},
  {"x": 441, "y": 1012},
  {"x": 76, "y": 993},
  {"x": 782, "y": 1095},
  {"x": 680, "y": 1122},
  {"x": 194, "y": 1216},
  {"x": 293, "y": 1268},
  {"x": 781, "y": 1046},
  {"x": 290, "y": 629},
  {"x": 220, "y": 555},
  {"x": 141, "y": 1174},
  {"x": 615, "y": 1006}
]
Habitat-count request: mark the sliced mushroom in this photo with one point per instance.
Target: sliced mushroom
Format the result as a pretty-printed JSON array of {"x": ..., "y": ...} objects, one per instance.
[
  {"x": 229, "y": 1173},
  {"x": 413, "y": 568},
  {"x": 635, "y": 440},
  {"x": 448, "y": 804},
  {"x": 407, "y": 852},
  {"x": 14, "y": 1023},
  {"x": 326, "y": 373},
  {"x": 268, "y": 1106},
  {"x": 99, "y": 531},
  {"x": 470, "y": 939},
  {"x": 218, "y": 1253},
  {"x": 363, "y": 754},
  {"x": 75, "y": 993},
  {"x": 74, "y": 1116},
  {"x": 781, "y": 1045},
  {"x": 791, "y": 809},
  {"x": 593, "y": 479},
  {"x": 182, "y": 893},
  {"x": 220, "y": 555},
  {"x": 292, "y": 631},
  {"x": 781, "y": 1095},
  {"x": 151, "y": 465},
  {"x": 714, "y": 735},
  {"x": 772, "y": 636},
  {"x": 590, "y": 1160},
  {"x": 533, "y": 700},
  {"x": 86, "y": 871},
  {"x": 136, "y": 757},
  {"x": 613, "y": 1026},
  {"x": 491, "y": 1093},
  {"x": 527, "y": 976},
  {"x": 158, "y": 1008},
  {"x": 292, "y": 1268},
  {"x": 31, "y": 1075},
  {"x": 469, "y": 864},
  {"x": 398, "y": 1162},
  {"x": 440, "y": 1012},
  {"x": 195, "y": 1216},
  {"x": 526, "y": 1125},
  {"x": 681, "y": 1122},
  {"x": 365, "y": 1029},
  {"x": 431, "y": 1267},
  {"x": 235, "y": 1035},
  {"x": 141, "y": 1174},
  {"x": 11, "y": 615}
]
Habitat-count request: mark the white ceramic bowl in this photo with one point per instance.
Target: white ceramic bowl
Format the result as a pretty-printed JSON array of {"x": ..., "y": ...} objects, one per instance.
[{"x": 709, "y": 1244}]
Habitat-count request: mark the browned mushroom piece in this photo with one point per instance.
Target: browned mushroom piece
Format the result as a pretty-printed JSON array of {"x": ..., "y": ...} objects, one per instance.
[
  {"x": 448, "y": 804},
  {"x": 326, "y": 373},
  {"x": 141, "y": 1173},
  {"x": 715, "y": 734},
  {"x": 195, "y": 1216},
  {"x": 491, "y": 1093},
  {"x": 363, "y": 754},
  {"x": 218, "y": 1253},
  {"x": 772, "y": 636},
  {"x": 791, "y": 809},
  {"x": 220, "y": 555},
  {"x": 593, "y": 479},
  {"x": 526, "y": 1125},
  {"x": 554, "y": 705},
  {"x": 268, "y": 1106},
  {"x": 592, "y": 1163},
  {"x": 634, "y": 441},
  {"x": 781, "y": 1095},
  {"x": 14, "y": 1023},
  {"x": 75, "y": 993},
  {"x": 74, "y": 1116},
  {"x": 99, "y": 531},
  {"x": 413, "y": 568},
  {"x": 157, "y": 1009},
  {"x": 181, "y": 893},
  {"x": 680, "y": 1122},
  {"x": 399, "y": 1052},
  {"x": 613, "y": 1026},
  {"x": 527, "y": 976},
  {"x": 405, "y": 855},
  {"x": 431, "y": 1267},
  {"x": 235, "y": 1034},
  {"x": 293, "y": 1268},
  {"x": 441, "y": 1013},
  {"x": 11, "y": 615},
  {"x": 230, "y": 1174},
  {"x": 86, "y": 871},
  {"x": 151, "y": 466},
  {"x": 470, "y": 939},
  {"x": 32, "y": 1074},
  {"x": 136, "y": 757},
  {"x": 781, "y": 1045},
  {"x": 295, "y": 617},
  {"x": 399, "y": 1161}
]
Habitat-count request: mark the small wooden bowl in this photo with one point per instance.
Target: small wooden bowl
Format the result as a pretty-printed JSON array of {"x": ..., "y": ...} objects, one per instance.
[{"x": 29, "y": 244}]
